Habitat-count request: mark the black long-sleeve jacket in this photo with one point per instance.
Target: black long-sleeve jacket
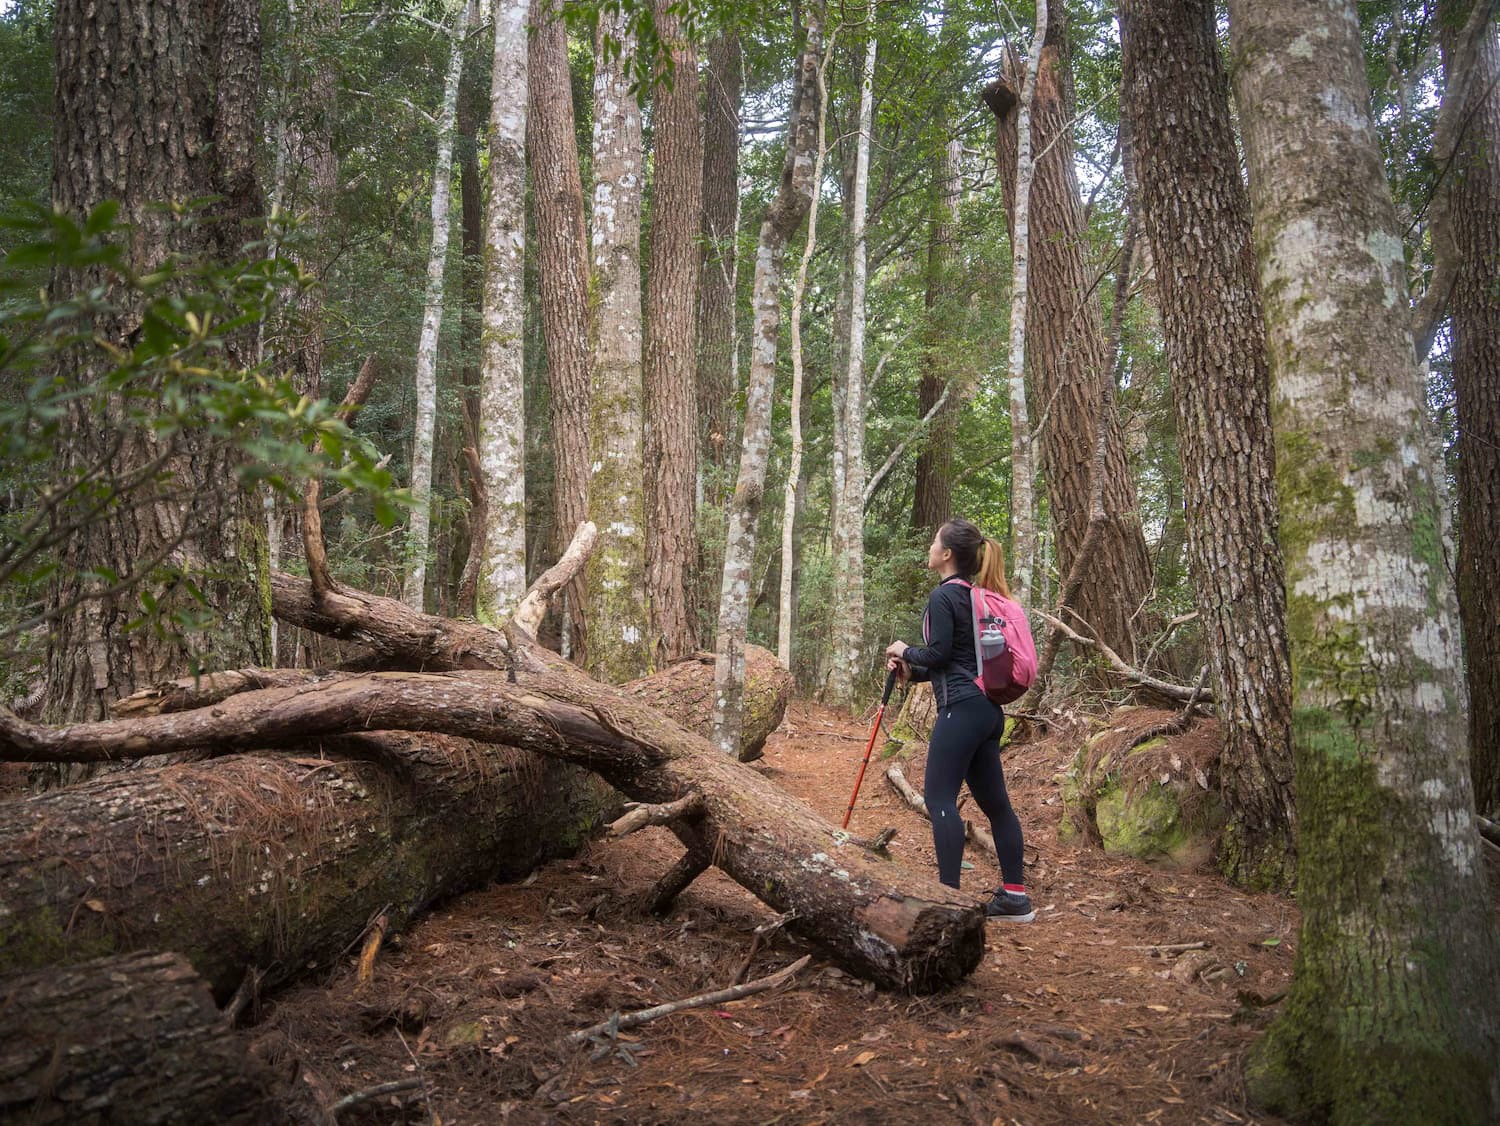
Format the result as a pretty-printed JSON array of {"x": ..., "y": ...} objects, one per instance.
[{"x": 947, "y": 657}]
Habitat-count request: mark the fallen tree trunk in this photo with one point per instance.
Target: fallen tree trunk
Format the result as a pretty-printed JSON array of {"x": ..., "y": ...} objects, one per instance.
[
  {"x": 277, "y": 861},
  {"x": 899, "y": 929},
  {"x": 131, "y": 1040}
]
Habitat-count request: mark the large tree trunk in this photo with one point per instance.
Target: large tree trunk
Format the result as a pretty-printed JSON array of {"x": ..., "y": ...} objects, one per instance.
[
  {"x": 1474, "y": 210},
  {"x": 849, "y": 417},
  {"x": 1067, "y": 356},
  {"x": 502, "y": 422},
  {"x": 1398, "y": 958},
  {"x": 1197, "y": 213},
  {"x": 277, "y": 861},
  {"x": 617, "y": 570},
  {"x": 128, "y": 1041},
  {"x": 419, "y": 531},
  {"x": 932, "y": 496},
  {"x": 793, "y": 197},
  {"x": 562, "y": 260},
  {"x": 671, "y": 341},
  {"x": 153, "y": 105},
  {"x": 900, "y": 930},
  {"x": 718, "y": 369}
]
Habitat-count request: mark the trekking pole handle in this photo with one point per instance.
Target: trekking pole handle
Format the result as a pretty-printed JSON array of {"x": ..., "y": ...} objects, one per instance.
[{"x": 890, "y": 684}]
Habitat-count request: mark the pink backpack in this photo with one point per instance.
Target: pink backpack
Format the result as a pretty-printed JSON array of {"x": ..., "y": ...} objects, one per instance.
[{"x": 1003, "y": 645}]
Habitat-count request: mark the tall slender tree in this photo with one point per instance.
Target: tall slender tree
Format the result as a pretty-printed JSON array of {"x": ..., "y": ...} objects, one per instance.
[
  {"x": 1067, "y": 356},
  {"x": 562, "y": 260},
  {"x": 618, "y": 649},
  {"x": 671, "y": 343},
  {"x": 1390, "y": 1014},
  {"x": 155, "y": 105},
  {"x": 790, "y": 204},
  {"x": 932, "y": 497},
  {"x": 849, "y": 407},
  {"x": 418, "y": 539},
  {"x": 502, "y": 445},
  {"x": 1474, "y": 209},
  {"x": 1197, "y": 214},
  {"x": 717, "y": 360}
]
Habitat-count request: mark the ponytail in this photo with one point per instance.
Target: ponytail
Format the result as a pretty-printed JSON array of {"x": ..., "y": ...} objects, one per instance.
[{"x": 992, "y": 569}]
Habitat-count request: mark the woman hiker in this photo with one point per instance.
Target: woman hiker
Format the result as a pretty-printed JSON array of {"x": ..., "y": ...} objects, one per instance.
[{"x": 965, "y": 744}]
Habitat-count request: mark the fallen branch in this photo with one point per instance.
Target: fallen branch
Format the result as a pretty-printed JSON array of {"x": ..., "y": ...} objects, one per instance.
[
  {"x": 641, "y": 814},
  {"x": 374, "y": 1092},
  {"x": 1172, "y": 947},
  {"x": 975, "y": 834},
  {"x": 757, "y": 939},
  {"x": 1041, "y": 1052},
  {"x": 717, "y": 997},
  {"x": 533, "y": 605},
  {"x": 1165, "y": 688},
  {"x": 1489, "y": 830}
]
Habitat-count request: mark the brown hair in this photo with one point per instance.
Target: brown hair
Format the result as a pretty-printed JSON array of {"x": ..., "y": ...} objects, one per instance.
[{"x": 975, "y": 554}]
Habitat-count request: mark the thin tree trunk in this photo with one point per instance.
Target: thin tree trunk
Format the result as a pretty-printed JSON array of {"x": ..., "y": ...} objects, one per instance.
[
  {"x": 1067, "y": 356},
  {"x": 717, "y": 359},
  {"x": 671, "y": 342},
  {"x": 419, "y": 532},
  {"x": 152, "y": 105},
  {"x": 616, "y": 572},
  {"x": 1398, "y": 957},
  {"x": 1023, "y": 513},
  {"x": 849, "y": 508},
  {"x": 794, "y": 467},
  {"x": 1197, "y": 214},
  {"x": 932, "y": 498},
  {"x": 562, "y": 259},
  {"x": 1475, "y": 307},
  {"x": 502, "y": 444},
  {"x": 793, "y": 197}
]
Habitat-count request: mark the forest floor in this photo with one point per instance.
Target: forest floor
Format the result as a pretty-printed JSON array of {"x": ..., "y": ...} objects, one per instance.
[{"x": 1074, "y": 1018}]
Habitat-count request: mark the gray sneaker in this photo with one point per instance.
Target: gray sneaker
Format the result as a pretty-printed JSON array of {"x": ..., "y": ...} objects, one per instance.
[{"x": 1010, "y": 907}]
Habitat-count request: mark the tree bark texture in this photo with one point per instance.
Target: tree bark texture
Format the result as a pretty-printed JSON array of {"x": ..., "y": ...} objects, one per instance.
[
  {"x": 562, "y": 260},
  {"x": 1398, "y": 957},
  {"x": 276, "y": 861},
  {"x": 1066, "y": 354},
  {"x": 932, "y": 497},
  {"x": 616, "y": 573},
  {"x": 790, "y": 204},
  {"x": 1196, "y": 212},
  {"x": 849, "y": 412},
  {"x": 1023, "y": 510},
  {"x": 131, "y": 1040},
  {"x": 718, "y": 369},
  {"x": 1474, "y": 210},
  {"x": 671, "y": 344},
  {"x": 154, "y": 103},
  {"x": 424, "y": 434},
  {"x": 502, "y": 424},
  {"x": 684, "y": 691}
]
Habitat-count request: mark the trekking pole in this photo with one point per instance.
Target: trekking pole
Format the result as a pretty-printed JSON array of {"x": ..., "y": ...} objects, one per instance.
[{"x": 890, "y": 683}]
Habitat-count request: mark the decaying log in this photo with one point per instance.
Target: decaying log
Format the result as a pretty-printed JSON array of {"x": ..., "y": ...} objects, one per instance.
[
  {"x": 682, "y": 691},
  {"x": 900, "y": 929},
  {"x": 276, "y": 860},
  {"x": 131, "y": 1040}
]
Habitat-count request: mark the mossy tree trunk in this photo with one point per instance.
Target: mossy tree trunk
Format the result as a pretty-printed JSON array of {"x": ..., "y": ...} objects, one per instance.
[
  {"x": 1391, "y": 1014},
  {"x": 616, "y": 574},
  {"x": 1197, "y": 215}
]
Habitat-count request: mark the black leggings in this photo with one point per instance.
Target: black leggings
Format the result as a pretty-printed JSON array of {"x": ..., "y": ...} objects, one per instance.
[{"x": 965, "y": 746}]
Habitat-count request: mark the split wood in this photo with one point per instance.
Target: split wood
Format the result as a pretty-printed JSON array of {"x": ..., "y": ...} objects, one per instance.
[
  {"x": 371, "y": 950},
  {"x": 717, "y": 997}
]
